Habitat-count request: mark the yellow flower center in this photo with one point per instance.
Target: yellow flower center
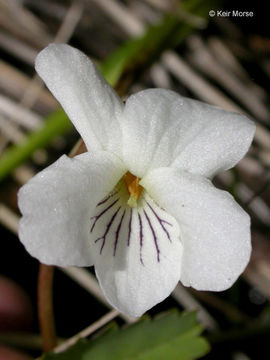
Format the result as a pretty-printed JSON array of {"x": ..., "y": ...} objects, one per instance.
[{"x": 133, "y": 187}]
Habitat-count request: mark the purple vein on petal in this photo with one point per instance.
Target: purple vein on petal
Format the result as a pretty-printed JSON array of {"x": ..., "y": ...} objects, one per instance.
[
  {"x": 162, "y": 222},
  {"x": 103, "y": 237},
  {"x": 141, "y": 237},
  {"x": 129, "y": 227},
  {"x": 107, "y": 198},
  {"x": 102, "y": 213},
  {"x": 154, "y": 235},
  {"x": 117, "y": 232}
]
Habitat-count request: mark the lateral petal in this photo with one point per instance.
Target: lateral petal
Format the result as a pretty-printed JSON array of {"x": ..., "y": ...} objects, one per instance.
[
  {"x": 56, "y": 205},
  {"x": 214, "y": 229}
]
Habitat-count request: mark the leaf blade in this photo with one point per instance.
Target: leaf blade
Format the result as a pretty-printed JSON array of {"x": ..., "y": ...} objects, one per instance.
[{"x": 172, "y": 336}]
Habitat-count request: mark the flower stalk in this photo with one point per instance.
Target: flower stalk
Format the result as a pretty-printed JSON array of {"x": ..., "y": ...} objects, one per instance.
[{"x": 45, "y": 306}]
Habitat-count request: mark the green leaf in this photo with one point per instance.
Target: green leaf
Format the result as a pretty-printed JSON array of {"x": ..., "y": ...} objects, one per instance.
[{"x": 169, "y": 336}]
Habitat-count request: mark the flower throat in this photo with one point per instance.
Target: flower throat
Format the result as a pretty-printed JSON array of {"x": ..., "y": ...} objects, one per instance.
[{"x": 133, "y": 187}]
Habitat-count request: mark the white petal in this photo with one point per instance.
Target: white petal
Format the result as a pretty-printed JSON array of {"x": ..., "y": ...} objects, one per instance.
[
  {"x": 138, "y": 251},
  {"x": 56, "y": 205},
  {"x": 91, "y": 104},
  {"x": 162, "y": 128},
  {"x": 214, "y": 229}
]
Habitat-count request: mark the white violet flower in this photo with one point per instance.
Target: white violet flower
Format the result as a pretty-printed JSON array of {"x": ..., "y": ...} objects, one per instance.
[{"x": 139, "y": 205}]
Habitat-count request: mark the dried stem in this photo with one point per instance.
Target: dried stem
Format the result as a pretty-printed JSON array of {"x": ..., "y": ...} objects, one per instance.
[{"x": 45, "y": 306}]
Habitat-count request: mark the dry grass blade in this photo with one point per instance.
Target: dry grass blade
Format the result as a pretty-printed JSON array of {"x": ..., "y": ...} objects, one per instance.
[
  {"x": 64, "y": 33},
  {"x": 11, "y": 130},
  {"x": 23, "y": 24},
  {"x": 205, "y": 61},
  {"x": 188, "y": 301},
  {"x": 9, "y": 219},
  {"x": 86, "y": 280},
  {"x": 15, "y": 83},
  {"x": 124, "y": 18},
  {"x": 17, "y": 113},
  {"x": 258, "y": 271},
  {"x": 85, "y": 332},
  {"x": 17, "y": 48}
]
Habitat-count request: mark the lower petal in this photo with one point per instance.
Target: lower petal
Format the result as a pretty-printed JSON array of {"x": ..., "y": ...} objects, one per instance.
[
  {"x": 138, "y": 253},
  {"x": 56, "y": 205},
  {"x": 214, "y": 229}
]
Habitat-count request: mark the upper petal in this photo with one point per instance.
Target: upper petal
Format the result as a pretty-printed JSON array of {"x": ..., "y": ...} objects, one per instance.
[
  {"x": 138, "y": 253},
  {"x": 214, "y": 229},
  {"x": 91, "y": 104},
  {"x": 56, "y": 205},
  {"x": 162, "y": 128}
]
